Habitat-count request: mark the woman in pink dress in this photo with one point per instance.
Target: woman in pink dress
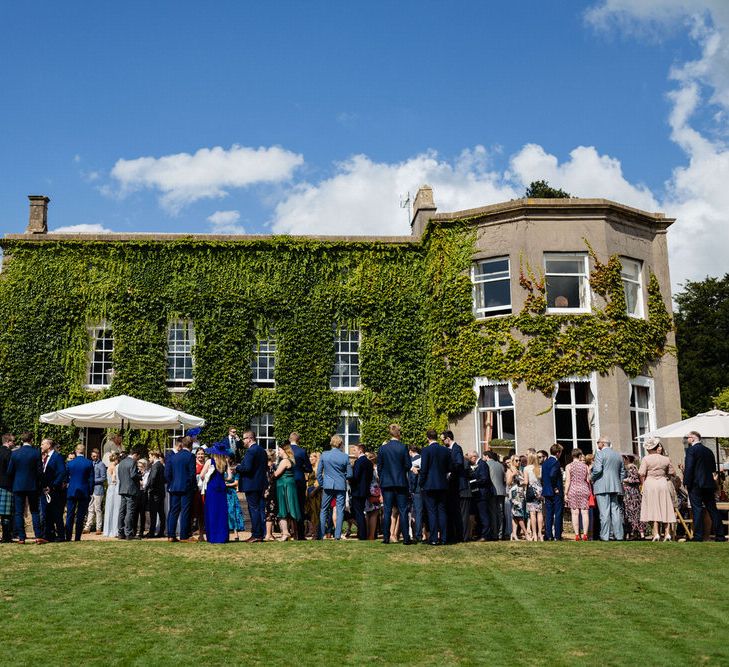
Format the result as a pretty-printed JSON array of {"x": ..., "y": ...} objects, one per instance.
[
  {"x": 657, "y": 502},
  {"x": 577, "y": 489}
]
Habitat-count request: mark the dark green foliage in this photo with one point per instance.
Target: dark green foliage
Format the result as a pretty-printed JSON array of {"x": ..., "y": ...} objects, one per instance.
[
  {"x": 702, "y": 339},
  {"x": 421, "y": 346},
  {"x": 542, "y": 190}
]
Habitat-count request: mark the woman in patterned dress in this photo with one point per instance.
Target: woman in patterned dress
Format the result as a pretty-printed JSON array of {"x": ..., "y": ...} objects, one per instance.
[
  {"x": 577, "y": 489},
  {"x": 516, "y": 491},
  {"x": 236, "y": 522},
  {"x": 373, "y": 504},
  {"x": 312, "y": 505},
  {"x": 632, "y": 498},
  {"x": 269, "y": 495}
]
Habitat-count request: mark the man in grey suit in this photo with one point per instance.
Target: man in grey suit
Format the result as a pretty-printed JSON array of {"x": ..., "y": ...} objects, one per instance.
[
  {"x": 332, "y": 473},
  {"x": 608, "y": 472},
  {"x": 128, "y": 477},
  {"x": 496, "y": 500}
]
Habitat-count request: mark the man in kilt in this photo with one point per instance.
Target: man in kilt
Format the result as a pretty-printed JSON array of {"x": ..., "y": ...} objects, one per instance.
[{"x": 6, "y": 488}]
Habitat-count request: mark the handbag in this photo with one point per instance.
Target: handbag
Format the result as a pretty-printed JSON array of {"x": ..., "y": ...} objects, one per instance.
[
  {"x": 531, "y": 494},
  {"x": 375, "y": 495}
]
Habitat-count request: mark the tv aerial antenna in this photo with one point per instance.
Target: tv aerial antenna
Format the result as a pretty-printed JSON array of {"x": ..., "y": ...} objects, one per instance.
[{"x": 406, "y": 203}]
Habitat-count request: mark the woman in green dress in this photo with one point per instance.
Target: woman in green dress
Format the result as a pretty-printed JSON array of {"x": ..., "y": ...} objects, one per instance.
[{"x": 288, "y": 503}]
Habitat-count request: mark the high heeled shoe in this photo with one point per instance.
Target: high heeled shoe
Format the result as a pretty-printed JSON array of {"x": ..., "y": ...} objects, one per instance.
[
  {"x": 667, "y": 538},
  {"x": 656, "y": 538},
  {"x": 284, "y": 538}
]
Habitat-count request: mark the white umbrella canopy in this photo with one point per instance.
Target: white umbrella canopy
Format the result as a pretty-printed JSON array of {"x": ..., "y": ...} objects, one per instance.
[
  {"x": 122, "y": 412},
  {"x": 711, "y": 424}
]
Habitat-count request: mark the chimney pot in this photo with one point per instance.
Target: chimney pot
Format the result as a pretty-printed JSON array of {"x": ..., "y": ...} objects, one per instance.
[
  {"x": 38, "y": 221},
  {"x": 423, "y": 210}
]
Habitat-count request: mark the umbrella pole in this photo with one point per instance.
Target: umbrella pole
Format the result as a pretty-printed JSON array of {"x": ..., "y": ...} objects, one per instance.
[{"x": 716, "y": 445}]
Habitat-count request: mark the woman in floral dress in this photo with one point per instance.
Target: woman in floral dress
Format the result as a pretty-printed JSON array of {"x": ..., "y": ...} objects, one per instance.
[
  {"x": 236, "y": 522},
  {"x": 632, "y": 498},
  {"x": 269, "y": 495},
  {"x": 516, "y": 491},
  {"x": 577, "y": 490}
]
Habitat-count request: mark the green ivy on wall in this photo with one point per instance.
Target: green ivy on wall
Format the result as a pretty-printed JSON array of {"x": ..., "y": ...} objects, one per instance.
[{"x": 420, "y": 349}]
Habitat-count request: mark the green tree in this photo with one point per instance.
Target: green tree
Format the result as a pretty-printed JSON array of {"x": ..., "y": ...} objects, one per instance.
[
  {"x": 702, "y": 338},
  {"x": 721, "y": 400},
  {"x": 543, "y": 190}
]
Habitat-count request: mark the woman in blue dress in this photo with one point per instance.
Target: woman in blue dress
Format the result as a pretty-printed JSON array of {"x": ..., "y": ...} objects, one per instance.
[
  {"x": 216, "y": 493},
  {"x": 236, "y": 521}
]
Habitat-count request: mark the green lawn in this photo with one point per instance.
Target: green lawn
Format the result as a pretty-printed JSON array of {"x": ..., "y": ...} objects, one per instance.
[{"x": 348, "y": 603}]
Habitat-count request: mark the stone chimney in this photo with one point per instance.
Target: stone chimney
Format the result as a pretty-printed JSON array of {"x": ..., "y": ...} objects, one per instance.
[
  {"x": 423, "y": 210},
  {"x": 38, "y": 222}
]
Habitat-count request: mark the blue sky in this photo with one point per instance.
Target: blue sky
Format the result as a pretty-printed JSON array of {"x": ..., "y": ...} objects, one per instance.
[{"x": 313, "y": 117}]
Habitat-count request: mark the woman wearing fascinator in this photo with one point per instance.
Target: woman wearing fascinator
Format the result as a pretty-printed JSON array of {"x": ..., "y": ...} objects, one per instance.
[{"x": 216, "y": 493}]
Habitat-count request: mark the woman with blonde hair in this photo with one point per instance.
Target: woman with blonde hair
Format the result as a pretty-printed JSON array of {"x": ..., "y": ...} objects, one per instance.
[
  {"x": 313, "y": 497},
  {"x": 657, "y": 502},
  {"x": 111, "y": 507},
  {"x": 288, "y": 501},
  {"x": 516, "y": 491},
  {"x": 216, "y": 493},
  {"x": 533, "y": 474}
]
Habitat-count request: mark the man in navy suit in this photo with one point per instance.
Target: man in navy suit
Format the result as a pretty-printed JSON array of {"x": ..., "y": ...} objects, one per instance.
[
  {"x": 53, "y": 498},
  {"x": 362, "y": 473},
  {"x": 456, "y": 483},
  {"x": 393, "y": 465},
  {"x": 483, "y": 490},
  {"x": 553, "y": 494},
  {"x": 698, "y": 476},
  {"x": 416, "y": 494},
  {"x": 25, "y": 471},
  {"x": 180, "y": 476},
  {"x": 80, "y": 473},
  {"x": 436, "y": 463},
  {"x": 302, "y": 466},
  {"x": 253, "y": 481}
]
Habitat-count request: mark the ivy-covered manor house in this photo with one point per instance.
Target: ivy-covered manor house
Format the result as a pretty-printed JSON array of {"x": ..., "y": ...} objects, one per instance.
[{"x": 517, "y": 324}]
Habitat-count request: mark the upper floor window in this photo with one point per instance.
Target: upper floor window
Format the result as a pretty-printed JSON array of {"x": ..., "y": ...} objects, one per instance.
[
  {"x": 180, "y": 339},
  {"x": 264, "y": 361},
  {"x": 568, "y": 285},
  {"x": 491, "y": 287},
  {"x": 262, "y": 426},
  {"x": 101, "y": 367},
  {"x": 349, "y": 428},
  {"x": 575, "y": 414},
  {"x": 346, "y": 361},
  {"x": 631, "y": 273},
  {"x": 495, "y": 412}
]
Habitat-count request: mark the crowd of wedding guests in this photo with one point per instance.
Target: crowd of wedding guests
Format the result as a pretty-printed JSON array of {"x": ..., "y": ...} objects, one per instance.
[{"x": 438, "y": 494}]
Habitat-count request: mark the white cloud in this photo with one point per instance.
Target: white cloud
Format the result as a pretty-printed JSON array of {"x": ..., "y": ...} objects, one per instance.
[
  {"x": 585, "y": 174},
  {"x": 363, "y": 197},
  {"x": 209, "y": 173},
  {"x": 225, "y": 222},
  {"x": 697, "y": 193},
  {"x": 82, "y": 229}
]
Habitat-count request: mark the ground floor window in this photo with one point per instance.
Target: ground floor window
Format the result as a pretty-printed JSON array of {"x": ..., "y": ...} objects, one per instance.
[
  {"x": 575, "y": 414},
  {"x": 495, "y": 413},
  {"x": 262, "y": 426},
  {"x": 642, "y": 412},
  {"x": 349, "y": 429}
]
